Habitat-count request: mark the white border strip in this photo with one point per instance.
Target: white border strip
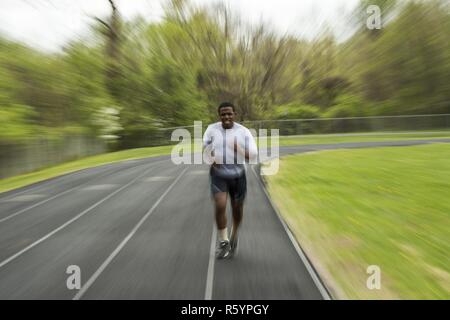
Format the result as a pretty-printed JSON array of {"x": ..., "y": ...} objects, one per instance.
[
  {"x": 312, "y": 272},
  {"x": 105, "y": 264}
]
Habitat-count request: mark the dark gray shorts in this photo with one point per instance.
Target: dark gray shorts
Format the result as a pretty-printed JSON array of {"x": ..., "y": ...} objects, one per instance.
[{"x": 236, "y": 187}]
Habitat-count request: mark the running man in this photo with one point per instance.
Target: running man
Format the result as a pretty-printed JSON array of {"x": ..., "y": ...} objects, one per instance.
[{"x": 230, "y": 145}]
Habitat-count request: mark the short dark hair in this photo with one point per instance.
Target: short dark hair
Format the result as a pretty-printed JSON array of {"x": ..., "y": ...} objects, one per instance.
[{"x": 224, "y": 105}]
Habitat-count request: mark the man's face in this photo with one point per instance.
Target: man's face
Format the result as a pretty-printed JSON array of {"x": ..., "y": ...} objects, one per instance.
[{"x": 227, "y": 117}]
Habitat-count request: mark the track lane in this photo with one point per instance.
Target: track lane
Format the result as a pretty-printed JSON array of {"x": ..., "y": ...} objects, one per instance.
[
  {"x": 169, "y": 255},
  {"x": 40, "y": 272}
]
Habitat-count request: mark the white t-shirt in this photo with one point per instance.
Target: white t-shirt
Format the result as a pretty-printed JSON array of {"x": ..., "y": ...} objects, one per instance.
[{"x": 229, "y": 164}]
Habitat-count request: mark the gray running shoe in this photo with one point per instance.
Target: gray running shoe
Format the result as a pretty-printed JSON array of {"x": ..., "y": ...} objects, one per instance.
[
  {"x": 224, "y": 249},
  {"x": 234, "y": 244}
]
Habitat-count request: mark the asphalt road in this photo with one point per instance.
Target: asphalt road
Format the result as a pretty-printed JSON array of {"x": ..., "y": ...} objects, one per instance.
[{"x": 144, "y": 229}]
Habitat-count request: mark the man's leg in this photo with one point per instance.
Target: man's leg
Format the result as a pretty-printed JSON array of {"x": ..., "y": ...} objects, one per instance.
[
  {"x": 237, "y": 194},
  {"x": 238, "y": 213},
  {"x": 219, "y": 189},
  {"x": 220, "y": 204}
]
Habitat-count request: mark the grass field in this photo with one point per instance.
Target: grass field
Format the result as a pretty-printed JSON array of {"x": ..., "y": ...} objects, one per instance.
[
  {"x": 388, "y": 207},
  {"x": 46, "y": 173}
]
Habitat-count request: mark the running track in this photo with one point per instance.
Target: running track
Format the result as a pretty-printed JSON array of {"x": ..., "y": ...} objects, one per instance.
[{"x": 143, "y": 229}]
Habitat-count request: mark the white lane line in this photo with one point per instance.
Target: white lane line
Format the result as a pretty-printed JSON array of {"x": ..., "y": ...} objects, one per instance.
[
  {"x": 43, "y": 183},
  {"x": 78, "y": 216},
  {"x": 323, "y": 291},
  {"x": 198, "y": 172},
  {"x": 212, "y": 259},
  {"x": 36, "y": 205},
  {"x": 25, "y": 198},
  {"x": 18, "y": 193},
  {"x": 56, "y": 196},
  {"x": 99, "y": 187},
  {"x": 105, "y": 264},
  {"x": 156, "y": 178}
]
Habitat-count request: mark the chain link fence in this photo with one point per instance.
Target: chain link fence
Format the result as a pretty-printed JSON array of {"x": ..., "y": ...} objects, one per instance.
[
  {"x": 20, "y": 158},
  {"x": 354, "y": 126},
  {"x": 28, "y": 156}
]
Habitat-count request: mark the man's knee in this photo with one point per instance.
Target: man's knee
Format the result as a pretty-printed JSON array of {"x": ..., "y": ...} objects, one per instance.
[
  {"x": 237, "y": 203},
  {"x": 220, "y": 210},
  {"x": 220, "y": 201}
]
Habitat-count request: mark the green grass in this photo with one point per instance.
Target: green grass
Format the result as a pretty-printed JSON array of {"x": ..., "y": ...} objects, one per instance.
[{"x": 386, "y": 206}]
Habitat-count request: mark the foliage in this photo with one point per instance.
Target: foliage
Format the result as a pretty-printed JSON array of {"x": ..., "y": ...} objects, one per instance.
[{"x": 130, "y": 78}]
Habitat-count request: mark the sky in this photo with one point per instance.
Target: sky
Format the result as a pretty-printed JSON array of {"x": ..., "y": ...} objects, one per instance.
[{"x": 49, "y": 24}]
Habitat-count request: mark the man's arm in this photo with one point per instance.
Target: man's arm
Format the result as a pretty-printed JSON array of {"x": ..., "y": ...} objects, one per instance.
[
  {"x": 238, "y": 149},
  {"x": 208, "y": 144},
  {"x": 250, "y": 152}
]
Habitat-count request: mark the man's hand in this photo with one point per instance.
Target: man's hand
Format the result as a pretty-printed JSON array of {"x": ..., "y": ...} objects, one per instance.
[
  {"x": 209, "y": 150},
  {"x": 238, "y": 149}
]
